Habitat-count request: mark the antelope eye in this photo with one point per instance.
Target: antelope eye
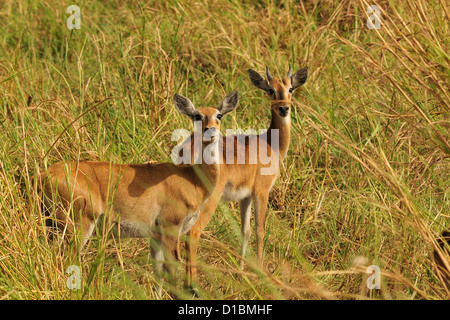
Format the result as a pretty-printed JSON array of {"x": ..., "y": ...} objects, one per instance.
[
  {"x": 219, "y": 116},
  {"x": 271, "y": 91},
  {"x": 197, "y": 117},
  {"x": 291, "y": 90}
]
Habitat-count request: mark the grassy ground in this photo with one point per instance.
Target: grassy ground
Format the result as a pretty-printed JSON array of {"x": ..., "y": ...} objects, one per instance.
[{"x": 366, "y": 180}]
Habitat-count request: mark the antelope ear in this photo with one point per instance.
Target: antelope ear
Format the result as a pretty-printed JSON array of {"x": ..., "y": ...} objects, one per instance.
[
  {"x": 184, "y": 105},
  {"x": 299, "y": 78},
  {"x": 229, "y": 103},
  {"x": 257, "y": 80}
]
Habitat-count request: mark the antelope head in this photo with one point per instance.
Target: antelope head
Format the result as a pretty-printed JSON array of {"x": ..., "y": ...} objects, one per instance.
[
  {"x": 207, "y": 120},
  {"x": 279, "y": 90}
]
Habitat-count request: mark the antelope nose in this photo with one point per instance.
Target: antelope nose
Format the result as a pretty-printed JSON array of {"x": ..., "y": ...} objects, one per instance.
[
  {"x": 283, "y": 110},
  {"x": 211, "y": 130},
  {"x": 209, "y": 133}
]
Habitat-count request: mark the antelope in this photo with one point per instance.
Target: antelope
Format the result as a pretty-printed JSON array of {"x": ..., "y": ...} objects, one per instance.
[
  {"x": 157, "y": 200},
  {"x": 247, "y": 182}
]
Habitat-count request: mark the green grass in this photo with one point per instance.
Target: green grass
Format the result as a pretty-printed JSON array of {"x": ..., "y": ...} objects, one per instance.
[{"x": 366, "y": 177}]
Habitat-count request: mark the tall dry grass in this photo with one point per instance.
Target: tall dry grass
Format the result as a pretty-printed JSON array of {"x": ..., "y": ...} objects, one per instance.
[{"x": 365, "y": 181}]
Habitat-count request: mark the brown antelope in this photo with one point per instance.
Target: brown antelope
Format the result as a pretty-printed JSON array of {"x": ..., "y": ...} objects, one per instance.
[
  {"x": 249, "y": 181},
  {"x": 158, "y": 200}
]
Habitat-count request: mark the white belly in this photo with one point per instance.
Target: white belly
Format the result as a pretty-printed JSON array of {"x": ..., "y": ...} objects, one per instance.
[
  {"x": 235, "y": 194},
  {"x": 135, "y": 229}
]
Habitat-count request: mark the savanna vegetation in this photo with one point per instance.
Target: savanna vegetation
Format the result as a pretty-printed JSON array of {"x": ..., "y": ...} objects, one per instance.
[{"x": 365, "y": 182}]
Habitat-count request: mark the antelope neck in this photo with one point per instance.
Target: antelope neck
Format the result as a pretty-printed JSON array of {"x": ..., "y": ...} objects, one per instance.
[
  {"x": 283, "y": 125},
  {"x": 208, "y": 170}
]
